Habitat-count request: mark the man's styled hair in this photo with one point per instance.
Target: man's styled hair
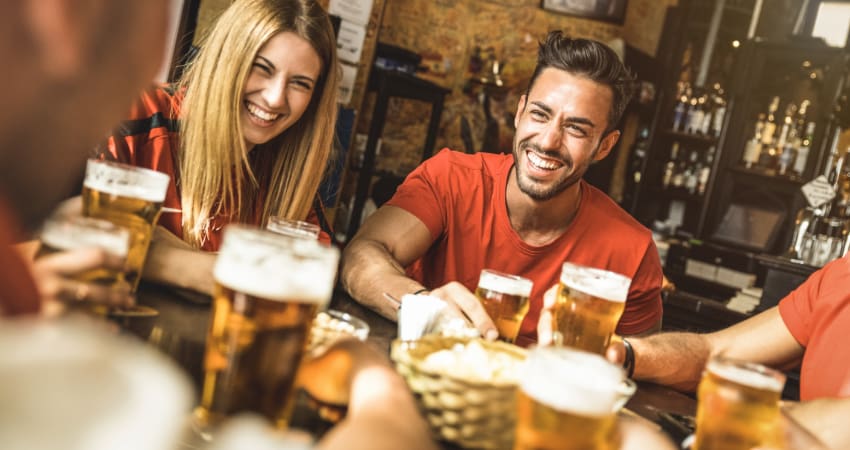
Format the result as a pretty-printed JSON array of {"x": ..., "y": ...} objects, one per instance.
[{"x": 590, "y": 59}]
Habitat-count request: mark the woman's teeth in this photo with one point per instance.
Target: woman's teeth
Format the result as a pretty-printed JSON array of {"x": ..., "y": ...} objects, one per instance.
[{"x": 260, "y": 114}]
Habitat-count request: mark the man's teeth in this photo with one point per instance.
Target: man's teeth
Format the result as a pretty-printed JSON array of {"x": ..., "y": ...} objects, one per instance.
[
  {"x": 259, "y": 113},
  {"x": 541, "y": 163}
]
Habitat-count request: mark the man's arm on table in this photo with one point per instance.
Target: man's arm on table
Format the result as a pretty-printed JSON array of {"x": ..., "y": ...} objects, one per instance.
[
  {"x": 824, "y": 418},
  {"x": 678, "y": 359},
  {"x": 373, "y": 263}
]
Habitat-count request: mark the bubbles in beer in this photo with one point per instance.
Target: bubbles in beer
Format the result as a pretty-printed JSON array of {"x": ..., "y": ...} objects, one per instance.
[
  {"x": 747, "y": 376},
  {"x": 596, "y": 282}
]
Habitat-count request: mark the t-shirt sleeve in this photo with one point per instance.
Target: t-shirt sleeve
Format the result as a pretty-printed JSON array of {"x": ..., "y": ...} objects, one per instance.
[
  {"x": 420, "y": 193},
  {"x": 797, "y": 308},
  {"x": 643, "y": 305}
]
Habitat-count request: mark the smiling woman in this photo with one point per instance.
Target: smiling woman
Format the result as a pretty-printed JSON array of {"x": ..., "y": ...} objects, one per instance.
[{"x": 247, "y": 132}]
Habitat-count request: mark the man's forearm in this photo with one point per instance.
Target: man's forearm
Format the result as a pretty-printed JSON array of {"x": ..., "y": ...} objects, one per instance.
[
  {"x": 369, "y": 271},
  {"x": 183, "y": 268},
  {"x": 671, "y": 359}
]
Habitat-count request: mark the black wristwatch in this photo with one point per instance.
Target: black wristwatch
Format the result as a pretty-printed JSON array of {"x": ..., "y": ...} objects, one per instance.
[{"x": 629, "y": 361}]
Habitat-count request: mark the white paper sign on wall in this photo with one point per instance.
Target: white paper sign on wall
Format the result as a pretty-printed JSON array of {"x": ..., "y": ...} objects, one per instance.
[{"x": 818, "y": 191}]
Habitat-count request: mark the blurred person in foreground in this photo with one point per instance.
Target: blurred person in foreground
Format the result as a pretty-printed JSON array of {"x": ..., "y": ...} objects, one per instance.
[
  {"x": 808, "y": 328},
  {"x": 75, "y": 67},
  {"x": 245, "y": 134},
  {"x": 523, "y": 214}
]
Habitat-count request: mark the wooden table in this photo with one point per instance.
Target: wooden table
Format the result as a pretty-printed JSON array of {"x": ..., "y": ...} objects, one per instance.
[{"x": 180, "y": 332}]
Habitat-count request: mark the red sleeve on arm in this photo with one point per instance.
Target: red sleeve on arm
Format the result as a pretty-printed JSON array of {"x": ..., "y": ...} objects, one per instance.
[
  {"x": 419, "y": 195},
  {"x": 643, "y": 306},
  {"x": 797, "y": 307},
  {"x": 313, "y": 218}
]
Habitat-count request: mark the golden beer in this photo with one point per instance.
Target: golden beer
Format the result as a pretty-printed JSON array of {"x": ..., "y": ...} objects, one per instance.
[
  {"x": 72, "y": 233},
  {"x": 567, "y": 401},
  {"x": 588, "y": 307},
  {"x": 738, "y": 406},
  {"x": 130, "y": 197},
  {"x": 505, "y": 298},
  {"x": 268, "y": 288}
]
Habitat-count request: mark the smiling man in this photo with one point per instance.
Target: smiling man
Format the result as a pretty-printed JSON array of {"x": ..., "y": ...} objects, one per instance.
[{"x": 523, "y": 214}]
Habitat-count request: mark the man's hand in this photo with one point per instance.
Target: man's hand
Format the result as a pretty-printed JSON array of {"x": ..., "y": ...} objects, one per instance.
[
  {"x": 54, "y": 274},
  {"x": 467, "y": 306},
  {"x": 328, "y": 375}
]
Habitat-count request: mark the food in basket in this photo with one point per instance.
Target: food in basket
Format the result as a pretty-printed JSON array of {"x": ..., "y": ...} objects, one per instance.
[
  {"x": 473, "y": 362},
  {"x": 332, "y": 325}
]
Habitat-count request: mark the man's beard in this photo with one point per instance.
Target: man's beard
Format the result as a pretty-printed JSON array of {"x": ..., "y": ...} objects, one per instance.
[{"x": 527, "y": 186}]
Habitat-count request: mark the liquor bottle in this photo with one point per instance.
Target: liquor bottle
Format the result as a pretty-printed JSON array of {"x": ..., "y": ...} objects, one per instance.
[
  {"x": 670, "y": 168},
  {"x": 692, "y": 173},
  {"x": 719, "y": 114},
  {"x": 770, "y": 123},
  {"x": 694, "y": 114},
  {"x": 803, "y": 149},
  {"x": 705, "y": 171},
  {"x": 681, "y": 107},
  {"x": 788, "y": 152},
  {"x": 752, "y": 150}
]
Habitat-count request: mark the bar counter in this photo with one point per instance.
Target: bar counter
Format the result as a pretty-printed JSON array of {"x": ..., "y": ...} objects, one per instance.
[{"x": 181, "y": 326}]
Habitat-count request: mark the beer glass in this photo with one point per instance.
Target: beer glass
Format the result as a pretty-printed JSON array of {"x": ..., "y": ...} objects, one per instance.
[
  {"x": 505, "y": 298},
  {"x": 71, "y": 233},
  {"x": 130, "y": 197},
  {"x": 588, "y": 306},
  {"x": 268, "y": 288},
  {"x": 738, "y": 406},
  {"x": 293, "y": 228},
  {"x": 567, "y": 400}
]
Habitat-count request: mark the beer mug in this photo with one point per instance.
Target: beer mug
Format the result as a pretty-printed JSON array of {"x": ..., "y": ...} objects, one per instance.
[
  {"x": 738, "y": 406},
  {"x": 268, "y": 288},
  {"x": 568, "y": 400},
  {"x": 588, "y": 306},
  {"x": 293, "y": 228},
  {"x": 505, "y": 298},
  {"x": 71, "y": 233},
  {"x": 130, "y": 197}
]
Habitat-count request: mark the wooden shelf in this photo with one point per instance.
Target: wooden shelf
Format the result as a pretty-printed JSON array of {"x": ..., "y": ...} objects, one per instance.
[
  {"x": 768, "y": 174},
  {"x": 690, "y": 137}
]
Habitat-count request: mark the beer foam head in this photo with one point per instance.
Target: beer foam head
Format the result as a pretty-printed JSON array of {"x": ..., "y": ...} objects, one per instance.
[
  {"x": 596, "y": 282},
  {"x": 748, "y": 374},
  {"x": 125, "y": 180},
  {"x": 276, "y": 267},
  {"x": 505, "y": 283},
  {"x": 71, "y": 233},
  {"x": 572, "y": 381}
]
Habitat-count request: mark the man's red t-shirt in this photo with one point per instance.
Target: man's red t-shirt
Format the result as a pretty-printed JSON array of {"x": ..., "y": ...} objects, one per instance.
[
  {"x": 818, "y": 316},
  {"x": 150, "y": 139},
  {"x": 461, "y": 199}
]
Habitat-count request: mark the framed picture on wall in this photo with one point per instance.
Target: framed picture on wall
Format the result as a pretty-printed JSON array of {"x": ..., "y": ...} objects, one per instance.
[{"x": 606, "y": 10}]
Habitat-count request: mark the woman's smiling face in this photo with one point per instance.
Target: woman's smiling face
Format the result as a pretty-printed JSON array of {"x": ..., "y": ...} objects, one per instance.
[{"x": 279, "y": 87}]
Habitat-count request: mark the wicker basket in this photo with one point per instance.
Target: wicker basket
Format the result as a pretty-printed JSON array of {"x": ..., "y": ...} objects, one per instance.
[{"x": 470, "y": 413}]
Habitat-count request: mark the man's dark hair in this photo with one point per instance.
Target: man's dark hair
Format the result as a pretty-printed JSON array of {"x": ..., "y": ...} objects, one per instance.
[{"x": 590, "y": 59}]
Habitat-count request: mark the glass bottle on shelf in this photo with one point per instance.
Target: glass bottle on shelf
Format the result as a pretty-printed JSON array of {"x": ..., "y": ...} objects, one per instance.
[
  {"x": 719, "y": 111},
  {"x": 770, "y": 124},
  {"x": 752, "y": 150},
  {"x": 692, "y": 173},
  {"x": 705, "y": 171},
  {"x": 670, "y": 168},
  {"x": 680, "y": 111},
  {"x": 803, "y": 149}
]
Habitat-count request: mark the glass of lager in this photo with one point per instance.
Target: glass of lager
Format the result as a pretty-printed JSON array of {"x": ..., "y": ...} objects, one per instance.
[
  {"x": 738, "y": 406},
  {"x": 505, "y": 298},
  {"x": 588, "y": 306},
  {"x": 73, "y": 232},
  {"x": 567, "y": 400},
  {"x": 293, "y": 228},
  {"x": 130, "y": 197},
  {"x": 268, "y": 289}
]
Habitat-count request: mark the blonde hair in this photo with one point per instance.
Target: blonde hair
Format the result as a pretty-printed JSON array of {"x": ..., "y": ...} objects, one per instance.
[{"x": 216, "y": 173}]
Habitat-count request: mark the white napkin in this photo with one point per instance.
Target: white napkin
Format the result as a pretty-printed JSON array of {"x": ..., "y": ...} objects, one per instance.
[{"x": 425, "y": 314}]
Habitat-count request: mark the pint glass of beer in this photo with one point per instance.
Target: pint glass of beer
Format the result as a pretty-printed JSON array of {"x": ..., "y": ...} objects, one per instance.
[
  {"x": 293, "y": 228},
  {"x": 567, "y": 400},
  {"x": 589, "y": 305},
  {"x": 505, "y": 298},
  {"x": 738, "y": 406},
  {"x": 71, "y": 233},
  {"x": 268, "y": 288},
  {"x": 130, "y": 197}
]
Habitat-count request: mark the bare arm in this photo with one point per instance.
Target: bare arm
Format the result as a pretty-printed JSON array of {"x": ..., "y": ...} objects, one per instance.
[
  {"x": 373, "y": 263},
  {"x": 172, "y": 261},
  {"x": 678, "y": 359},
  {"x": 825, "y": 418}
]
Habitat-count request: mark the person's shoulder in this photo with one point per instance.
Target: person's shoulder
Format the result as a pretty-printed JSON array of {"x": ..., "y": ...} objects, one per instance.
[
  {"x": 159, "y": 98},
  {"x": 616, "y": 219},
  {"x": 452, "y": 159}
]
